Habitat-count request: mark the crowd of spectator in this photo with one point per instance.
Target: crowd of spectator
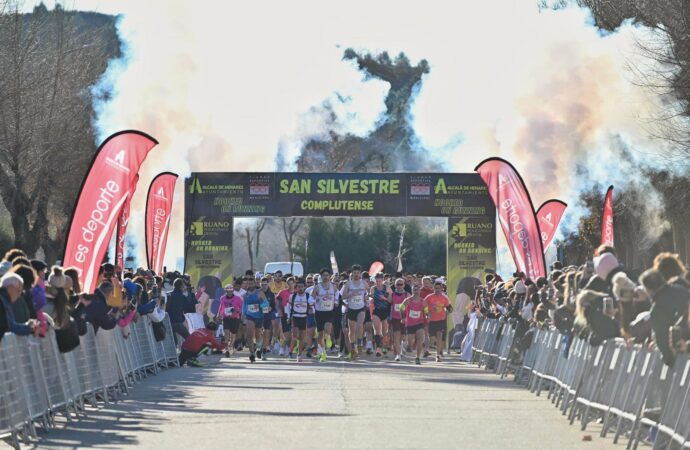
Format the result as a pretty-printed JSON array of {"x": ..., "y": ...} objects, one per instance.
[{"x": 596, "y": 301}]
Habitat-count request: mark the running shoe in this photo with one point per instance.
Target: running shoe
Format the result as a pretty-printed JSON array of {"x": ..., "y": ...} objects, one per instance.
[
  {"x": 348, "y": 357},
  {"x": 397, "y": 357},
  {"x": 354, "y": 354},
  {"x": 323, "y": 358},
  {"x": 258, "y": 353},
  {"x": 281, "y": 352},
  {"x": 227, "y": 353},
  {"x": 369, "y": 351},
  {"x": 438, "y": 358},
  {"x": 194, "y": 363},
  {"x": 426, "y": 353},
  {"x": 378, "y": 353},
  {"x": 417, "y": 361},
  {"x": 252, "y": 358},
  {"x": 329, "y": 342}
]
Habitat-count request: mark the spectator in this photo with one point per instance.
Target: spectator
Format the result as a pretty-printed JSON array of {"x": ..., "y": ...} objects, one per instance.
[
  {"x": 28, "y": 274},
  {"x": 592, "y": 317},
  {"x": 96, "y": 310},
  {"x": 669, "y": 306},
  {"x": 606, "y": 265},
  {"x": 11, "y": 286},
  {"x": 198, "y": 343},
  {"x": 58, "y": 307},
  {"x": 181, "y": 301}
]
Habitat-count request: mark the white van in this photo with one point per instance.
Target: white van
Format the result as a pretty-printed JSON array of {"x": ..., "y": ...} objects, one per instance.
[{"x": 294, "y": 268}]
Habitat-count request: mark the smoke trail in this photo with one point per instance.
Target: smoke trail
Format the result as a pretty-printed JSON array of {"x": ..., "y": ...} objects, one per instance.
[{"x": 227, "y": 88}]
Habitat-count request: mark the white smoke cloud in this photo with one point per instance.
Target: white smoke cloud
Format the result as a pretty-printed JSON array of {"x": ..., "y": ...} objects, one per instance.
[{"x": 223, "y": 86}]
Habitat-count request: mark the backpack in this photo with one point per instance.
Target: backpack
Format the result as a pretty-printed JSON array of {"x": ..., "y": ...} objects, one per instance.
[
  {"x": 158, "y": 331},
  {"x": 292, "y": 303}
]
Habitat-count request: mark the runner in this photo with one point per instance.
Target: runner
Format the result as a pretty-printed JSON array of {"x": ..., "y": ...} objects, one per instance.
[
  {"x": 415, "y": 310},
  {"x": 439, "y": 306},
  {"x": 381, "y": 296},
  {"x": 345, "y": 347},
  {"x": 277, "y": 284},
  {"x": 284, "y": 297},
  {"x": 298, "y": 309},
  {"x": 368, "y": 324},
  {"x": 311, "y": 320},
  {"x": 427, "y": 289},
  {"x": 269, "y": 317},
  {"x": 324, "y": 295},
  {"x": 229, "y": 312},
  {"x": 252, "y": 310},
  {"x": 354, "y": 294},
  {"x": 397, "y": 298}
]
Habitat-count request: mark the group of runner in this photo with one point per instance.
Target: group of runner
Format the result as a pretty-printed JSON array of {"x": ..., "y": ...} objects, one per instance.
[{"x": 347, "y": 314}]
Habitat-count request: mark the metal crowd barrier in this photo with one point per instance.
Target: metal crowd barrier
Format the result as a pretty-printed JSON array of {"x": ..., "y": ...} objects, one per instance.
[
  {"x": 37, "y": 381},
  {"x": 627, "y": 388}
]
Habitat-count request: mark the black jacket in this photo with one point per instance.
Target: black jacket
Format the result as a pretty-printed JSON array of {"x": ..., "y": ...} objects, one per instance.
[
  {"x": 601, "y": 326},
  {"x": 180, "y": 303},
  {"x": 97, "y": 313},
  {"x": 669, "y": 306}
]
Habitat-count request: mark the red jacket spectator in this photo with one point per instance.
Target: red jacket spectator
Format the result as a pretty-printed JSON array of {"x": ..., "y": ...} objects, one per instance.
[{"x": 199, "y": 338}]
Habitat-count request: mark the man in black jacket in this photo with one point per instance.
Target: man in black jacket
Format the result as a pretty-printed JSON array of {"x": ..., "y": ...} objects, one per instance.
[
  {"x": 669, "y": 304},
  {"x": 96, "y": 309},
  {"x": 181, "y": 301}
]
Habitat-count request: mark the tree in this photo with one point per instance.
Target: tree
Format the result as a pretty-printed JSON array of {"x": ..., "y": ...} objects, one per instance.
[
  {"x": 290, "y": 228},
  {"x": 252, "y": 236},
  {"x": 48, "y": 61}
]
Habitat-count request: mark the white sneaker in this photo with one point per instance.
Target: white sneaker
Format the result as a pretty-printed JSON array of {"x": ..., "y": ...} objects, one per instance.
[
  {"x": 281, "y": 352},
  {"x": 397, "y": 357}
]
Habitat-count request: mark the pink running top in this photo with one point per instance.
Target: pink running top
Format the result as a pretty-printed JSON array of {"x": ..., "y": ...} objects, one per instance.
[
  {"x": 414, "y": 312},
  {"x": 396, "y": 301},
  {"x": 230, "y": 307}
]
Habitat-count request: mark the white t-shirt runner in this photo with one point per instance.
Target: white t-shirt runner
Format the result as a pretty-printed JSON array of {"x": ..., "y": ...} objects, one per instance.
[
  {"x": 324, "y": 297},
  {"x": 357, "y": 293},
  {"x": 300, "y": 304}
]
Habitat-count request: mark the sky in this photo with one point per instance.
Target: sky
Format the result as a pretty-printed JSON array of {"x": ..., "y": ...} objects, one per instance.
[{"x": 224, "y": 85}]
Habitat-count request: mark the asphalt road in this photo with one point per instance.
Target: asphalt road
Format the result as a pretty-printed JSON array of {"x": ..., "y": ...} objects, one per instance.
[{"x": 289, "y": 405}]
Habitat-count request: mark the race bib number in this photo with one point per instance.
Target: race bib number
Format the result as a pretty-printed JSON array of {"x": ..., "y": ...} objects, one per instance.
[
  {"x": 397, "y": 307},
  {"x": 415, "y": 314},
  {"x": 357, "y": 302},
  {"x": 253, "y": 308},
  {"x": 327, "y": 303},
  {"x": 229, "y": 310},
  {"x": 267, "y": 309}
]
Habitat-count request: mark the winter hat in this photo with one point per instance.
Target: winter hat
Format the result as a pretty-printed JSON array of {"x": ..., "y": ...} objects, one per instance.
[
  {"x": 604, "y": 264},
  {"x": 520, "y": 287},
  {"x": 38, "y": 265},
  {"x": 57, "y": 278},
  {"x": 4, "y": 267}
]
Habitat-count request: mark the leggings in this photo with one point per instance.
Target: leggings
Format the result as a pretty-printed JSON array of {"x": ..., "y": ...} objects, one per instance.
[
  {"x": 186, "y": 355},
  {"x": 179, "y": 328}
]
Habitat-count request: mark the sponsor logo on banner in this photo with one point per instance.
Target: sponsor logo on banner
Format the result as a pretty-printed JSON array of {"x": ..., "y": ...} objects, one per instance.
[
  {"x": 420, "y": 189},
  {"x": 158, "y": 211},
  {"x": 106, "y": 188},
  {"x": 259, "y": 189}
]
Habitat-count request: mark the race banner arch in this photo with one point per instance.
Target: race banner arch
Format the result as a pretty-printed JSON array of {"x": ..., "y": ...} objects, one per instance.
[{"x": 213, "y": 199}]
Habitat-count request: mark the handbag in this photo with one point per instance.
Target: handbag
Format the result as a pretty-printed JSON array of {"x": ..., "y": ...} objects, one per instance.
[
  {"x": 158, "y": 331},
  {"x": 67, "y": 337}
]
